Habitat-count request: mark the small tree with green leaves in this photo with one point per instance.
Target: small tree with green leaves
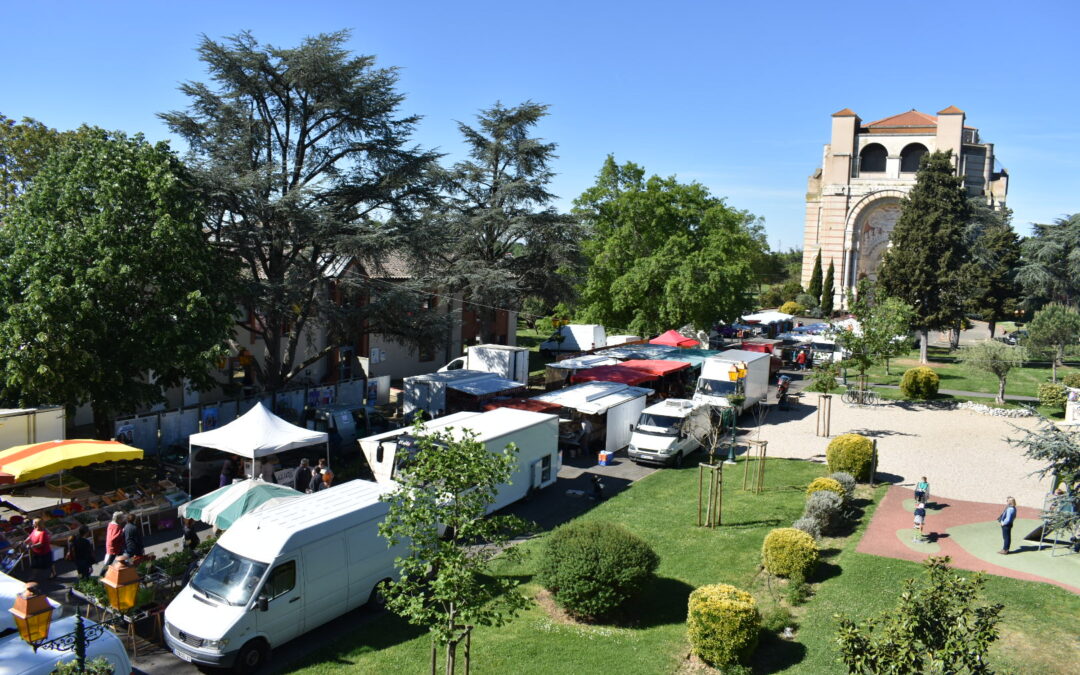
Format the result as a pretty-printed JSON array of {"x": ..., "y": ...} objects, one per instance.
[
  {"x": 996, "y": 358},
  {"x": 938, "y": 626},
  {"x": 882, "y": 331},
  {"x": 1059, "y": 452},
  {"x": 1052, "y": 328},
  {"x": 445, "y": 583}
]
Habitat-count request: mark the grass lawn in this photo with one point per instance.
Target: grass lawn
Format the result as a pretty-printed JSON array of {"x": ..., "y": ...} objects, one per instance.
[{"x": 532, "y": 339}]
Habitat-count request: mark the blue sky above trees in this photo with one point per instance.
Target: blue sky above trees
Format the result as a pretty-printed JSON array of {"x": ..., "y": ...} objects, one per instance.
[{"x": 734, "y": 95}]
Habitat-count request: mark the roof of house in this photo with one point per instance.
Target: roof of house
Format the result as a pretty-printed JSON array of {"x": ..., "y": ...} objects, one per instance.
[
  {"x": 911, "y": 118},
  {"x": 390, "y": 265}
]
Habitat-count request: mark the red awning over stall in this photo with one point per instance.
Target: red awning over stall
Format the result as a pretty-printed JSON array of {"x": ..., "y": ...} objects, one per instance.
[
  {"x": 529, "y": 404},
  {"x": 674, "y": 338},
  {"x": 619, "y": 373},
  {"x": 654, "y": 367}
]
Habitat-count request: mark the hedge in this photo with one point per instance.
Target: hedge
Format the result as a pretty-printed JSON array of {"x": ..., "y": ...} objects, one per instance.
[
  {"x": 830, "y": 484},
  {"x": 723, "y": 624},
  {"x": 787, "y": 552},
  {"x": 920, "y": 383},
  {"x": 851, "y": 453},
  {"x": 1052, "y": 395}
]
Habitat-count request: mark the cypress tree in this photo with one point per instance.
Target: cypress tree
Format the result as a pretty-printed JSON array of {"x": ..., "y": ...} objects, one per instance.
[
  {"x": 827, "y": 289},
  {"x": 814, "y": 288},
  {"x": 928, "y": 262}
]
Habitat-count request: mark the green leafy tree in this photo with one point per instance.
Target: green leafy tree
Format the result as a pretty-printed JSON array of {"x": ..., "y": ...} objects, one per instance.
[
  {"x": 1050, "y": 263},
  {"x": 306, "y": 162},
  {"x": 503, "y": 240},
  {"x": 882, "y": 333},
  {"x": 1058, "y": 451},
  {"x": 996, "y": 358},
  {"x": 996, "y": 252},
  {"x": 445, "y": 581},
  {"x": 814, "y": 288},
  {"x": 938, "y": 627},
  {"x": 927, "y": 264},
  {"x": 109, "y": 289},
  {"x": 663, "y": 253},
  {"x": 1053, "y": 328},
  {"x": 24, "y": 147},
  {"x": 827, "y": 291}
]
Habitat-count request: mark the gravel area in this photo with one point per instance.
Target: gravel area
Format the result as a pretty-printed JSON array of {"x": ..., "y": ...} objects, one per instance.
[{"x": 963, "y": 454}]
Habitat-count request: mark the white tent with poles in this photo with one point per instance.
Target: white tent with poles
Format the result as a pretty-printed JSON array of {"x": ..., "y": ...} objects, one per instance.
[{"x": 256, "y": 434}]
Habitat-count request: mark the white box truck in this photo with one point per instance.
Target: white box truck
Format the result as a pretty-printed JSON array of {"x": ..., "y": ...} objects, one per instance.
[
  {"x": 280, "y": 572},
  {"x": 510, "y": 363},
  {"x": 429, "y": 392},
  {"x": 668, "y": 431},
  {"x": 536, "y": 436},
  {"x": 610, "y": 408},
  {"x": 719, "y": 379},
  {"x": 576, "y": 338},
  {"x": 23, "y": 426}
]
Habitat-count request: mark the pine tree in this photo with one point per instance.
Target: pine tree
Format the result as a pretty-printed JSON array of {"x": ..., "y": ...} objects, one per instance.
[
  {"x": 928, "y": 262},
  {"x": 814, "y": 288},
  {"x": 827, "y": 291}
]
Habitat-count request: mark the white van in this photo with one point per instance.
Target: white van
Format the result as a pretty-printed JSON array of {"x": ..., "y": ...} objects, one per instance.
[
  {"x": 668, "y": 431},
  {"x": 281, "y": 572}
]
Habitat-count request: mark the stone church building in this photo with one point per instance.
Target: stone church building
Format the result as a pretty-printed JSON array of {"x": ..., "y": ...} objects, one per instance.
[{"x": 853, "y": 200}]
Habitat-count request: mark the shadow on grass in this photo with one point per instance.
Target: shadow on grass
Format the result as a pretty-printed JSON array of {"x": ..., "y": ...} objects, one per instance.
[
  {"x": 824, "y": 571},
  {"x": 361, "y": 631},
  {"x": 663, "y": 602},
  {"x": 774, "y": 655}
]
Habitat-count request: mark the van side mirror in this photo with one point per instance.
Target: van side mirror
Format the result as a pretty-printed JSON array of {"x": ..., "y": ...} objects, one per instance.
[
  {"x": 263, "y": 603},
  {"x": 631, "y": 428}
]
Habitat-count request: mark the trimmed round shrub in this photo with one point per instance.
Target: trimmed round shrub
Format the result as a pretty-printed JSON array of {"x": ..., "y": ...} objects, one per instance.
[
  {"x": 829, "y": 484},
  {"x": 920, "y": 383},
  {"x": 723, "y": 624},
  {"x": 592, "y": 568},
  {"x": 851, "y": 453},
  {"x": 788, "y": 552},
  {"x": 825, "y": 507},
  {"x": 812, "y": 526},
  {"x": 847, "y": 481},
  {"x": 1072, "y": 380},
  {"x": 792, "y": 307},
  {"x": 1052, "y": 395}
]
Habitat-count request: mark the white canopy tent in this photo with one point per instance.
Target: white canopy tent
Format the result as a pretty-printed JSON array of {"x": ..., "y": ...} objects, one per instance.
[{"x": 258, "y": 433}]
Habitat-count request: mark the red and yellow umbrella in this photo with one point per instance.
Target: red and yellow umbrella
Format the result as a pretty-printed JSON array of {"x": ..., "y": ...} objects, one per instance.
[{"x": 27, "y": 462}]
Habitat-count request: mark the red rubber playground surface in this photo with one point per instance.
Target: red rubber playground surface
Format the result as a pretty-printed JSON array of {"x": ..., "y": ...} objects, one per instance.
[{"x": 968, "y": 533}]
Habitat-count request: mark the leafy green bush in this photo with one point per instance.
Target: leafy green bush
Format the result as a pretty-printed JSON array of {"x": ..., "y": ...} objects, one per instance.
[
  {"x": 1072, "y": 380},
  {"x": 772, "y": 297},
  {"x": 829, "y": 484},
  {"x": 592, "y": 568},
  {"x": 812, "y": 526},
  {"x": 1052, "y": 395},
  {"x": 792, "y": 307},
  {"x": 788, "y": 552},
  {"x": 205, "y": 545},
  {"x": 825, "y": 507},
  {"x": 847, "y": 481},
  {"x": 806, "y": 300},
  {"x": 723, "y": 624},
  {"x": 851, "y": 453},
  {"x": 98, "y": 666},
  {"x": 776, "y": 619},
  {"x": 920, "y": 383}
]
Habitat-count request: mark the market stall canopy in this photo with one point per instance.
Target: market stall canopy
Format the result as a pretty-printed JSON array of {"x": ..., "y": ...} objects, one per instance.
[
  {"x": 484, "y": 387},
  {"x": 223, "y": 506},
  {"x": 27, "y": 462},
  {"x": 258, "y": 433},
  {"x": 525, "y": 404},
  {"x": 656, "y": 368},
  {"x": 695, "y": 357},
  {"x": 674, "y": 338},
  {"x": 619, "y": 373},
  {"x": 768, "y": 317},
  {"x": 592, "y": 398}
]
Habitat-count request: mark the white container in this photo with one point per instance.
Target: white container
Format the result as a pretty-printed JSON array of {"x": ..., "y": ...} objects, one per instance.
[{"x": 511, "y": 363}]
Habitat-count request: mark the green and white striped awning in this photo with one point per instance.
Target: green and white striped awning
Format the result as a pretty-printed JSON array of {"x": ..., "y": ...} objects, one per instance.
[{"x": 223, "y": 506}]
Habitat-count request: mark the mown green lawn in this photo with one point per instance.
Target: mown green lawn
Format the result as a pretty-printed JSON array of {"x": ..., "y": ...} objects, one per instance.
[
  {"x": 532, "y": 339},
  {"x": 1038, "y": 625}
]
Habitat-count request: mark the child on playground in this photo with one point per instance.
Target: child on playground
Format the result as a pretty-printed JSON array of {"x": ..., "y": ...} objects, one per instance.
[
  {"x": 920, "y": 518},
  {"x": 922, "y": 490}
]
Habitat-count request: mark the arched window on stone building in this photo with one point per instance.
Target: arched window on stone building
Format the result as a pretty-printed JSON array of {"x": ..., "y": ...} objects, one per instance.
[
  {"x": 872, "y": 159},
  {"x": 910, "y": 156}
]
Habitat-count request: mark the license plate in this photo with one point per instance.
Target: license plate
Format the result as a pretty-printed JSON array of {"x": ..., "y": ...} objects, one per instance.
[{"x": 183, "y": 656}]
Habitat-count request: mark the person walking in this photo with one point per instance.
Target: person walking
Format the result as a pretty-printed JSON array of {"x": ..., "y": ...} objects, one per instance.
[
  {"x": 269, "y": 464},
  {"x": 920, "y": 519},
  {"x": 82, "y": 552},
  {"x": 114, "y": 540},
  {"x": 191, "y": 537},
  {"x": 316, "y": 483},
  {"x": 302, "y": 476},
  {"x": 1006, "y": 520},
  {"x": 922, "y": 490},
  {"x": 39, "y": 544},
  {"x": 133, "y": 541},
  {"x": 326, "y": 474},
  {"x": 800, "y": 359}
]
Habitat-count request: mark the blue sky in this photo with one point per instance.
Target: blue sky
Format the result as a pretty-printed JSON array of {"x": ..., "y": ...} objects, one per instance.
[{"x": 735, "y": 95}]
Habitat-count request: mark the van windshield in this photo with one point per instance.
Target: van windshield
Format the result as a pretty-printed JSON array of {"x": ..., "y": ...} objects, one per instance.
[
  {"x": 658, "y": 424},
  {"x": 716, "y": 387},
  {"x": 228, "y": 577}
]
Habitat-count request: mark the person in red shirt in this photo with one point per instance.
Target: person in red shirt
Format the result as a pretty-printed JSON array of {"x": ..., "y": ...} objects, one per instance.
[
  {"x": 114, "y": 539},
  {"x": 39, "y": 544}
]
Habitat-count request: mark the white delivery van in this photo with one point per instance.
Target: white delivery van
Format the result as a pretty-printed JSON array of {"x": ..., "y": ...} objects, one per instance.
[
  {"x": 23, "y": 426},
  {"x": 576, "y": 338},
  {"x": 536, "y": 436},
  {"x": 719, "y": 380},
  {"x": 280, "y": 572},
  {"x": 429, "y": 392},
  {"x": 611, "y": 407},
  {"x": 668, "y": 431},
  {"x": 510, "y": 363},
  {"x": 19, "y": 658}
]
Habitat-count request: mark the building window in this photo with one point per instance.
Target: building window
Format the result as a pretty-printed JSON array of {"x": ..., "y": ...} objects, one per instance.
[
  {"x": 872, "y": 158},
  {"x": 910, "y": 157}
]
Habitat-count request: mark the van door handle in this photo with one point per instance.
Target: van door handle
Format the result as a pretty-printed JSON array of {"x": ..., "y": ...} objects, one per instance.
[{"x": 294, "y": 599}]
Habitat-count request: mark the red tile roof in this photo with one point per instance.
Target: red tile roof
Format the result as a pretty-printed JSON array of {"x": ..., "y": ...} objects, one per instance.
[
  {"x": 911, "y": 118},
  {"x": 846, "y": 112},
  {"x": 951, "y": 110}
]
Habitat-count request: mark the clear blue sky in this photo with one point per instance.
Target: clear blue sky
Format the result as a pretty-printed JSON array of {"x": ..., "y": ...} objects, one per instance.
[{"x": 736, "y": 95}]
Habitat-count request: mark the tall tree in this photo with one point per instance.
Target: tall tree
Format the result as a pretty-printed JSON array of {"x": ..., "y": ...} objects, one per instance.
[
  {"x": 827, "y": 291},
  {"x": 109, "y": 290},
  {"x": 663, "y": 253},
  {"x": 814, "y": 288},
  {"x": 445, "y": 580},
  {"x": 995, "y": 249},
  {"x": 1050, "y": 264},
  {"x": 1053, "y": 328},
  {"x": 504, "y": 241},
  {"x": 306, "y": 161},
  {"x": 926, "y": 265},
  {"x": 24, "y": 147}
]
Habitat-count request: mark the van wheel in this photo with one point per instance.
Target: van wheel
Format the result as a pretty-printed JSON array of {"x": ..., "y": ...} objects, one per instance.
[
  {"x": 252, "y": 656},
  {"x": 678, "y": 461},
  {"x": 377, "y": 599}
]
